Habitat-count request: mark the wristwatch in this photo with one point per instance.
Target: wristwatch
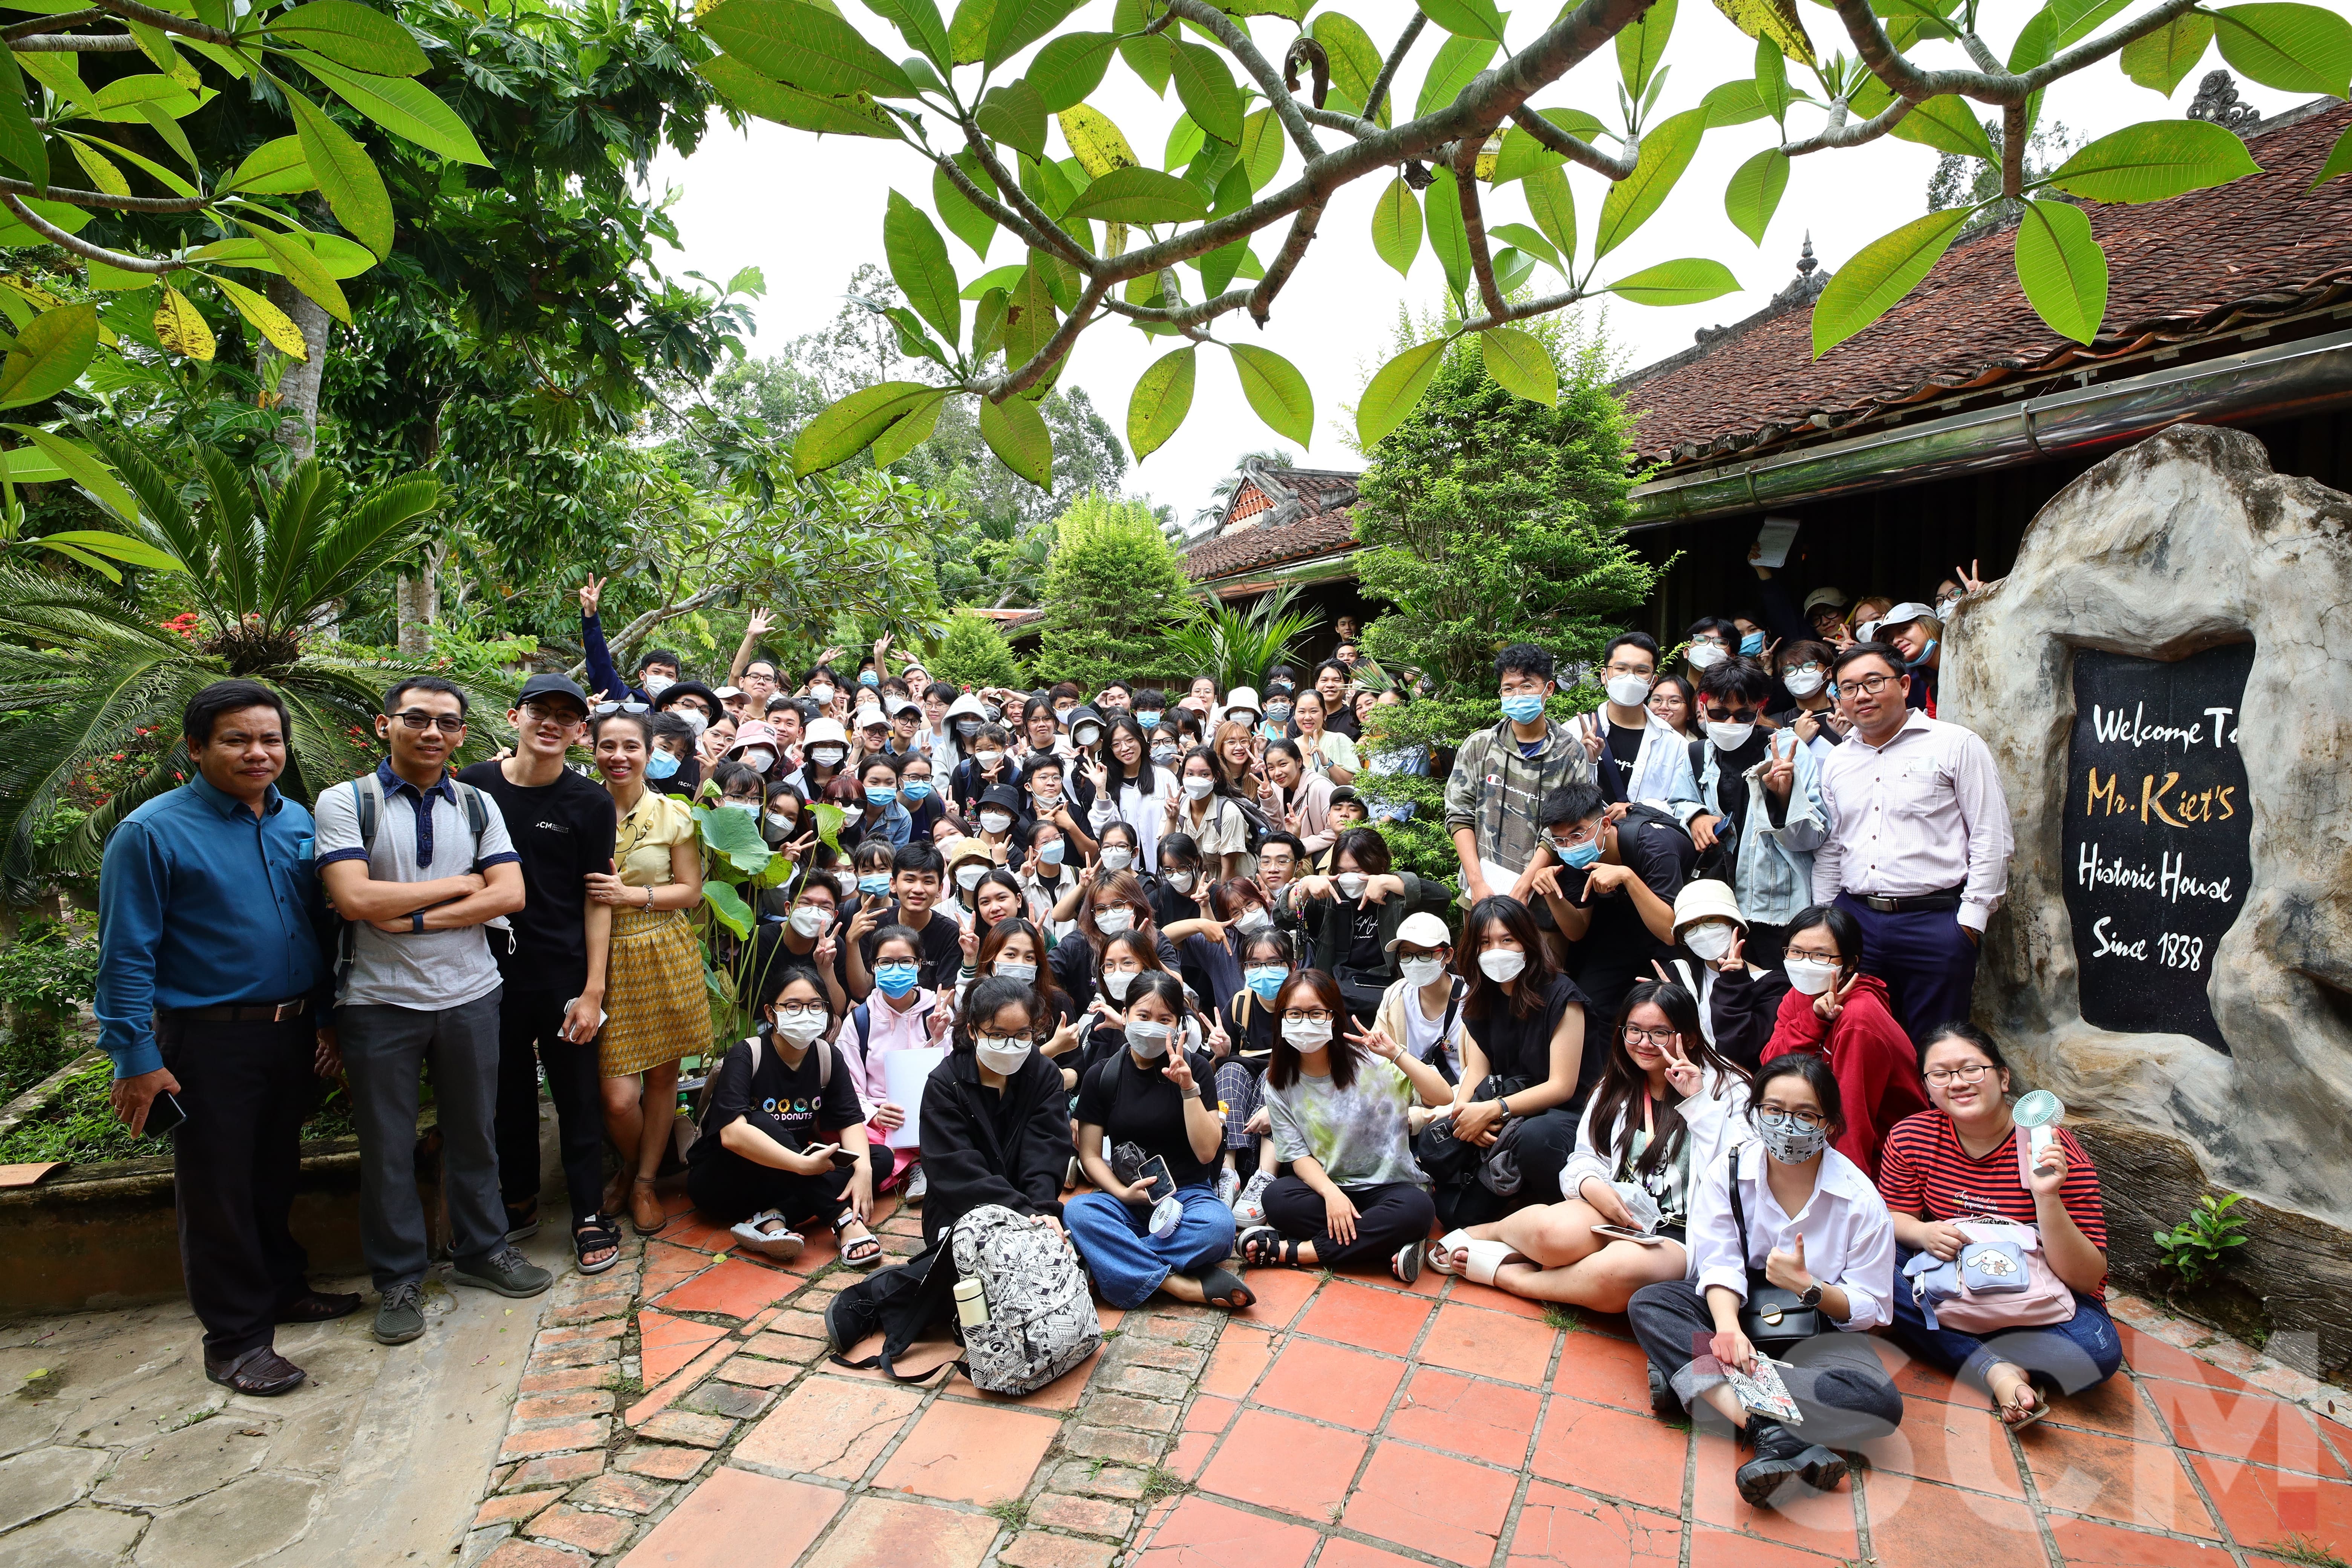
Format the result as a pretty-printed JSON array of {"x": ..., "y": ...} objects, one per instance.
[
  {"x": 1811, "y": 1295},
  {"x": 415, "y": 920}
]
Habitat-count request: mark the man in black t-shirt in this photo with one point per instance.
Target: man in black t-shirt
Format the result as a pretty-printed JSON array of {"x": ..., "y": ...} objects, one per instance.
[
  {"x": 553, "y": 967},
  {"x": 917, "y": 873},
  {"x": 1612, "y": 893}
]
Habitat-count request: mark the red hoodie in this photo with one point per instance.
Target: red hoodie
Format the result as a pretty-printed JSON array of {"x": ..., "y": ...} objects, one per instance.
[{"x": 1877, "y": 1067}]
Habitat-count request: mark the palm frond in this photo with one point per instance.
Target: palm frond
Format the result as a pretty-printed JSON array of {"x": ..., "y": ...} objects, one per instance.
[
  {"x": 232, "y": 518},
  {"x": 297, "y": 515},
  {"x": 163, "y": 520},
  {"x": 1238, "y": 646},
  {"x": 387, "y": 521}
]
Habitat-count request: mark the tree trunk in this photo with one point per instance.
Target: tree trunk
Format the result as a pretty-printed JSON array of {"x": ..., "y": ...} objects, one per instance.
[
  {"x": 419, "y": 599},
  {"x": 297, "y": 389}
]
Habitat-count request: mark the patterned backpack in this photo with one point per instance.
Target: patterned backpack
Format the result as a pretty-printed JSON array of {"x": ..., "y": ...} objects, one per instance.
[{"x": 1041, "y": 1321}]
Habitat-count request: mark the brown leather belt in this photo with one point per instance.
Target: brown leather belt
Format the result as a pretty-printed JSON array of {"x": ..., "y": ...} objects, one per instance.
[{"x": 241, "y": 1012}]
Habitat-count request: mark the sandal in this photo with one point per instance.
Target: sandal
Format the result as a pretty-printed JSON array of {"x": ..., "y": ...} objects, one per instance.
[
  {"x": 596, "y": 1234},
  {"x": 1442, "y": 1250},
  {"x": 1219, "y": 1289},
  {"x": 861, "y": 1251},
  {"x": 522, "y": 1222},
  {"x": 782, "y": 1244},
  {"x": 1406, "y": 1264},
  {"x": 644, "y": 1201},
  {"x": 1263, "y": 1246},
  {"x": 2006, "y": 1413}
]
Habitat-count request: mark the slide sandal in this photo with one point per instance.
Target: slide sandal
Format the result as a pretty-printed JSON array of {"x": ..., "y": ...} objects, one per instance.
[
  {"x": 1222, "y": 1290},
  {"x": 1485, "y": 1258},
  {"x": 781, "y": 1243}
]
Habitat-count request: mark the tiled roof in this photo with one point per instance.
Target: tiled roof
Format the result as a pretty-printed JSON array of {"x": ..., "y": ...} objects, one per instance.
[
  {"x": 1278, "y": 515},
  {"x": 2264, "y": 245}
]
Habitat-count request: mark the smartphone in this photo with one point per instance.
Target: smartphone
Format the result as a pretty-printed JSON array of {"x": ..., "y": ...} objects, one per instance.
[
  {"x": 163, "y": 1114},
  {"x": 1155, "y": 1170},
  {"x": 844, "y": 1159},
  {"x": 1620, "y": 1232}
]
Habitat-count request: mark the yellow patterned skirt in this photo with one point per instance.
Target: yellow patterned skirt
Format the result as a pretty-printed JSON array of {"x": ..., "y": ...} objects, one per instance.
[{"x": 656, "y": 1009}]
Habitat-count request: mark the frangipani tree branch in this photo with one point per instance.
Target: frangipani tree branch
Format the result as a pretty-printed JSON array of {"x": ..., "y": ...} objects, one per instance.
[
  {"x": 1994, "y": 84},
  {"x": 1403, "y": 46},
  {"x": 80, "y": 247},
  {"x": 1473, "y": 225},
  {"x": 1286, "y": 107},
  {"x": 1575, "y": 149}
]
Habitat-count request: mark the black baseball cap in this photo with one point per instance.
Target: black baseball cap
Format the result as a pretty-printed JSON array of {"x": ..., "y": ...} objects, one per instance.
[{"x": 552, "y": 685}]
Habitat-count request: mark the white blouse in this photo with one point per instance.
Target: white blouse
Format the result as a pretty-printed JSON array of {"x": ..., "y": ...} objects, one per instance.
[
  {"x": 1716, "y": 1106},
  {"x": 1849, "y": 1237}
]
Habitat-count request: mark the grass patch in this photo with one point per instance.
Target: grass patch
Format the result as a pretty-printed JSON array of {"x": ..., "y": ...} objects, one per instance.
[
  {"x": 2302, "y": 1549},
  {"x": 1013, "y": 1514},
  {"x": 1558, "y": 1317},
  {"x": 190, "y": 1419},
  {"x": 1159, "y": 1481},
  {"x": 1095, "y": 1469}
]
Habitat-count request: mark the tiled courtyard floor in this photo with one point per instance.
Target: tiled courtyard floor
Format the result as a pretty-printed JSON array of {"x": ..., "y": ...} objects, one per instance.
[{"x": 680, "y": 1412}]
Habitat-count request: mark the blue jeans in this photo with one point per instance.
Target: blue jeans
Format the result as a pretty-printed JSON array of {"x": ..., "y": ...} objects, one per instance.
[
  {"x": 2070, "y": 1356},
  {"x": 1127, "y": 1263}
]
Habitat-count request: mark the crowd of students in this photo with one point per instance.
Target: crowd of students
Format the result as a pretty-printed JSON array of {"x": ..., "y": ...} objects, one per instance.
[{"x": 1152, "y": 937}]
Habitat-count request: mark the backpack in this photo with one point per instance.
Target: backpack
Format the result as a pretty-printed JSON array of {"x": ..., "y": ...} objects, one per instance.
[
  {"x": 1256, "y": 825},
  {"x": 1041, "y": 1321},
  {"x": 823, "y": 1049},
  {"x": 367, "y": 806}
]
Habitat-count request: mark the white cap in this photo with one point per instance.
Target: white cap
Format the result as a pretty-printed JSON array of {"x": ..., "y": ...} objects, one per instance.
[
  {"x": 822, "y": 730},
  {"x": 1903, "y": 615},
  {"x": 1705, "y": 900},
  {"x": 865, "y": 716},
  {"x": 1422, "y": 929},
  {"x": 904, "y": 705},
  {"x": 1241, "y": 697},
  {"x": 724, "y": 693}
]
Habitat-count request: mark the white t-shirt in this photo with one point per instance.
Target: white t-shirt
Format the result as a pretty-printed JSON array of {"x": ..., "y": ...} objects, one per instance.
[{"x": 1421, "y": 1036}]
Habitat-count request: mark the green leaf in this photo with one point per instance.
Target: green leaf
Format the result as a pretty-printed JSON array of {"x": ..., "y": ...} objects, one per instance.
[
  {"x": 408, "y": 109},
  {"x": 1448, "y": 236},
  {"x": 2062, "y": 269},
  {"x": 341, "y": 258},
  {"x": 804, "y": 47},
  {"x": 2154, "y": 160},
  {"x": 1520, "y": 364},
  {"x": 850, "y": 114},
  {"x": 1029, "y": 318},
  {"x": 268, "y": 319},
  {"x": 1733, "y": 103},
  {"x": 1666, "y": 151},
  {"x": 1465, "y": 19},
  {"x": 920, "y": 266},
  {"x": 1522, "y": 154},
  {"x": 103, "y": 174},
  {"x": 1528, "y": 240},
  {"x": 1948, "y": 125},
  {"x": 726, "y": 904},
  {"x": 1264, "y": 145},
  {"x": 51, "y": 352},
  {"x": 967, "y": 31},
  {"x": 909, "y": 432},
  {"x": 965, "y": 221},
  {"x": 300, "y": 265},
  {"x": 114, "y": 547},
  {"x": 1014, "y": 25},
  {"x": 86, "y": 470},
  {"x": 350, "y": 34},
  {"x": 2162, "y": 60},
  {"x": 1459, "y": 60},
  {"x": 1513, "y": 267},
  {"x": 2339, "y": 161},
  {"x": 279, "y": 168},
  {"x": 1217, "y": 267},
  {"x": 1016, "y": 433},
  {"x": 1014, "y": 115},
  {"x": 1880, "y": 274},
  {"x": 1772, "y": 89},
  {"x": 1141, "y": 195},
  {"x": 1276, "y": 390},
  {"x": 1396, "y": 225},
  {"x": 1207, "y": 91},
  {"x": 1774, "y": 19},
  {"x": 829, "y": 820},
  {"x": 998, "y": 277},
  {"x": 1160, "y": 401},
  {"x": 734, "y": 837},
  {"x": 1395, "y": 390},
  {"x": 919, "y": 22},
  {"x": 2295, "y": 49},
  {"x": 1152, "y": 59},
  {"x": 849, "y": 426},
  {"x": 1754, "y": 193},
  {"x": 1685, "y": 282},
  {"x": 1554, "y": 209},
  {"x": 20, "y": 139},
  {"x": 119, "y": 99},
  {"x": 1355, "y": 61},
  {"x": 1070, "y": 68},
  {"x": 1642, "y": 45},
  {"x": 2074, "y": 20},
  {"x": 346, "y": 176}
]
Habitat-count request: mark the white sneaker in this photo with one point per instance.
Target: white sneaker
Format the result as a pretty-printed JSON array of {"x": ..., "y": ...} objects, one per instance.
[
  {"x": 1250, "y": 1209},
  {"x": 917, "y": 1186},
  {"x": 1229, "y": 1185}
]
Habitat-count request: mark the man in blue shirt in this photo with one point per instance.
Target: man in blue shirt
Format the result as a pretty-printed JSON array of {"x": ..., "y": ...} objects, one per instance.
[
  {"x": 213, "y": 988},
  {"x": 657, "y": 669}
]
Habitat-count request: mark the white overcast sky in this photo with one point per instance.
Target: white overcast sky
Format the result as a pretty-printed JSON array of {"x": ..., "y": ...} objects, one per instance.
[{"x": 806, "y": 211}]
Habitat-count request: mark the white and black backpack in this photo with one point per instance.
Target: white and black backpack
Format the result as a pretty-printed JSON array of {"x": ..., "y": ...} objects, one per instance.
[{"x": 1041, "y": 1320}]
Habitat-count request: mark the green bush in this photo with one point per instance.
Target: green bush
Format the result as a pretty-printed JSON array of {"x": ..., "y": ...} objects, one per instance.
[
  {"x": 44, "y": 975},
  {"x": 973, "y": 653},
  {"x": 1114, "y": 590},
  {"x": 80, "y": 1126}
]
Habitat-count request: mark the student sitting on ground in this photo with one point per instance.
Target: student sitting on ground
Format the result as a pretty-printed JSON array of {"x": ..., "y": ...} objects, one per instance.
[
  {"x": 1959, "y": 1161},
  {"x": 1655, "y": 1121},
  {"x": 1154, "y": 1097},
  {"x": 1354, "y": 1196},
  {"x": 777, "y": 1112},
  {"x": 1837, "y": 1269}
]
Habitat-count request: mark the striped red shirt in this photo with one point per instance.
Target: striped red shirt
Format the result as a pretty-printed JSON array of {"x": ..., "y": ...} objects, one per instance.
[{"x": 1922, "y": 1169}]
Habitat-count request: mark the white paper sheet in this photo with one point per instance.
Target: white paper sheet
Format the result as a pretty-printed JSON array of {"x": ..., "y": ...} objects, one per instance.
[
  {"x": 903, "y": 1075},
  {"x": 1772, "y": 541}
]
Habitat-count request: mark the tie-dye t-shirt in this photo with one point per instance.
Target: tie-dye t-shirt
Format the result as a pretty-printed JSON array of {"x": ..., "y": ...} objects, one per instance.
[{"x": 1357, "y": 1134}]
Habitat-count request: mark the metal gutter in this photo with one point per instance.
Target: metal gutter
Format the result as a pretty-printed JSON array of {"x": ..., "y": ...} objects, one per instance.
[
  {"x": 2276, "y": 380},
  {"x": 1331, "y": 566}
]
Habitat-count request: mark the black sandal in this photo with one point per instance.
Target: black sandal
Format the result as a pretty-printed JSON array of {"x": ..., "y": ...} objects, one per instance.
[
  {"x": 595, "y": 1235},
  {"x": 1219, "y": 1289},
  {"x": 1263, "y": 1246}
]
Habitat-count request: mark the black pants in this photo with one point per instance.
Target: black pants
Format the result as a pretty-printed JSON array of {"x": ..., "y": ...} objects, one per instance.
[
  {"x": 727, "y": 1187},
  {"x": 1546, "y": 1140},
  {"x": 531, "y": 1025},
  {"x": 1836, "y": 1378},
  {"x": 247, "y": 1088},
  {"x": 1386, "y": 1216}
]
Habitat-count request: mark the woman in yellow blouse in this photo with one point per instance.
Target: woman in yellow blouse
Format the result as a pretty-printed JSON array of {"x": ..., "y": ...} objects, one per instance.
[{"x": 654, "y": 996}]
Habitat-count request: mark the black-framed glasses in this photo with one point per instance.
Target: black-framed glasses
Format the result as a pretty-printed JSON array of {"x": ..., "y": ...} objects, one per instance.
[
  {"x": 1969, "y": 1072},
  {"x": 1804, "y": 1120},
  {"x": 603, "y": 707},
  {"x": 1635, "y": 1035},
  {"x": 417, "y": 718},
  {"x": 1870, "y": 685},
  {"x": 1307, "y": 1016}
]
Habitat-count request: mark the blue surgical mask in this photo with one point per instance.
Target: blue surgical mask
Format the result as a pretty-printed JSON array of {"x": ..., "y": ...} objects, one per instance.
[
  {"x": 918, "y": 790},
  {"x": 895, "y": 979},
  {"x": 1149, "y": 718},
  {"x": 1753, "y": 643},
  {"x": 660, "y": 765},
  {"x": 1277, "y": 713},
  {"x": 1050, "y": 854},
  {"x": 877, "y": 883},
  {"x": 1523, "y": 710},
  {"x": 1578, "y": 855},
  {"x": 869, "y": 678},
  {"x": 1265, "y": 980},
  {"x": 880, "y": 794},
  {"x": 1924, "y": 655}
]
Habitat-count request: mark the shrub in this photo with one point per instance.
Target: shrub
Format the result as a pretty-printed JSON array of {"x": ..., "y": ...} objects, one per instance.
[
  {"x": 1114, "y": 590},
  {"x": 973, "y": 653}
]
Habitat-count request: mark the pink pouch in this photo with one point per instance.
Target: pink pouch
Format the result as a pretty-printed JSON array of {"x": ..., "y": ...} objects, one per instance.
[{"x": 2044, "y": 1299}]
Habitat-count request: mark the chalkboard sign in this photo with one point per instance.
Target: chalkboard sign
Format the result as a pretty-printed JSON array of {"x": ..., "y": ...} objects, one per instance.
[{"x": 2157, "y": 838}]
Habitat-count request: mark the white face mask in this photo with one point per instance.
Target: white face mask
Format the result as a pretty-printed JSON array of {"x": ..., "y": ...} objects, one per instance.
[
  {"x": 1423, "y": 970},
  {"x": 852, "y": 812},
  {"x": 994, "y": 821},
  {"x": 1116, "y": 981},
  {"x": 657, "y": 684},
  {"x": 1305, "y": 1033},
  {"x": 999, "y": 1056},
  {"x": 750, "y": 806},
  {"x": 694, "y": 719},
  {"x": 1710, "y": 941},
  {"x": 1810, "y": 976},
  {"x": 1198, "y": 789},
  {"x": 822, "y": 695},
  {"x": 988, "y": 759},
  {"x": 799, "y": 1026},
  {"x": 1500, "y": 963},
  {"x": 1944, "y": 608},
  {"x": 1147, "y": 1038},
  {"x": 968, "y": 877},
  {"x": 1252, "y": 919},
  {"x": 1728, "y": 737},
  {"x": 1629, "y": 691},
  {"x": 1116, "y": 857},
  {"x": 809, "y": 919},
  {"x": 783, "y": 822},
  {"x": 1048, "y": 801},
  {"x": 760, "y": 759},
  {"x": 1023, "y": 972},
  {"x": 1114, "y": 920},
  {"x": 1802, "y": 683},
  {"x": 1181, "y": 880},
  {"x": 1707, "y": 654},
  {"x": 826, "y": 756},
  {"x": 1351, "y": 884}
]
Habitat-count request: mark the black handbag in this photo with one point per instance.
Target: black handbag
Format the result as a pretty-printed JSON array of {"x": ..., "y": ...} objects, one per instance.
[
  {"x": 1774, "y": 1320},
  {"x": 1445, "y": 1158}
]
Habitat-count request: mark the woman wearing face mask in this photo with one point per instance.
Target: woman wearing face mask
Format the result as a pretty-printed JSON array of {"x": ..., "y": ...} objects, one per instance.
[
  {"x": 1353, "y": 915},
  {"x": 1134, "y": 791},
  {"x": 1125, "y": 959},
  {"x": 1837, "y": 1255},
  {"x": 900, "y": 1014},
  {"x": 1114, "y": 906},
  {"x": 1263, "y": 965},
  {"x": 1048, "y": 881},
  {"x": 1045, "y": 797},
  {"x": 1423, "y": 1007},
  {"x": 825, "y": 751},
  {"x": 847, "y": 792},
  {"x": 1836, "y": 1011},
  {"x": 1328, "y": 752},
  {"x": 755, "y": 746},
  {"x": 960, "y": 726},
  {"x": 985, "y": 766},
  {"x": 1177, "y": 891},
  {"x": 1204, "y": 810},
  {"x": 1739, "y": 1000},
  {"x": 1354, "y": 1197},
  {"x": 671, "y": 766},
  {"x": 1115, "y": 851},
  {"x": 1153, "y": 1095},
  {"x": 1805, "y": 672},
  {"x": 885, "y": 818},
  {"x": 918, "y": 794},
  {"x": 998, "y": 815},
  {"x": 652, "y": 995},
  {"x": 1016, "y": 949},
  {"x": 871, "y": 862},
  {"x": 1713, "y": 641},
  {"x": 1526, "y": 1072},
  {"x": 1274, "y": 724},
  {"x": 969, "y": 862},
  {"x": 777, "y": 1113},
  {"x": 802, "y": 932}
]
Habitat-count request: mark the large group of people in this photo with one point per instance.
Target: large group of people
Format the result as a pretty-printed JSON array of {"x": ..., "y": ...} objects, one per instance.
[{"x": 1686, "y": 1038}]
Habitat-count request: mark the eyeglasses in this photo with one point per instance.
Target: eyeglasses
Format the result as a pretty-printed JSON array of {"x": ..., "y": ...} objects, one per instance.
[
  {"x": 1635, "y": 1036},
  {"x": 1804, "y": 1120},
  {"x": 1021, "y": 1037},
  {"x": 1811, "y": 955},
  {"x": 1307, "y": 1016},
  {"x": 448, "y": 723},
  {"x": 1619, "y": 668},
  {"x": 1969, "y": 1073},
  {"x": 603, "y": 707},
  {"x": 1871, "y": 685}
]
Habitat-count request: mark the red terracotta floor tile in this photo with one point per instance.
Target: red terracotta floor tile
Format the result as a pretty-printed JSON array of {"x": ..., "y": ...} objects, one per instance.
[
  {"x": 694, "y": 1231},
  {"x": 892, "y": 1533},
  {"x": 1821, "y": 1522},
  {"x": 1603, "y": 1370},
  {"x": 2116, "y": 1407},
  {"x": 1192, "y": 1451},
  {"x": 1472, "y": 1294},
  {"x": 1201, "y": 1533},
  {"x": 2087, "y": 1543},
  {"x": 1210, "y": 1414},
  {"x": 1949, "y": 1443},
  {"x": 1559, "y": 1529},
  {"x": 1917, "y": 1379},
  {"x": 2250, "y": 1426},
  {"x": 1635, "y": 1458},
  {"x": 923, "y": 1357},
  {"x": 1282, "y": 1463},
  {"x": 2112, "y": 1479},
  {"x": 2265, "y": 1505},
  {"x": 1280, "y": 1293},
  {"x": 1350, "y": 1388},
  {"x": 735, "y": 1289},
  {"x": 1445, "y": 1507},
  {"x": 1713, "y": 1548},
  {"x": 710, "y": 1527},
  {"x": 2152, "y": 1357},
  {"x": 970, "y": 1453},
  {"x": 1488, "y": 1344},
  {"x": 667, "y": 1264},
  {"x": 1241, "y": 1355},
  {"x": 833, "y": 1427},
  {"x": 1062, "y": 1394},
  {"x": 666, "y": 1344},
  {"x": 1370, "y": 1318},
  {"x": 1918, "y": 1524},
  {"x": 1343, "y": 1554},
  {"x": 1489, "y": 1421}
]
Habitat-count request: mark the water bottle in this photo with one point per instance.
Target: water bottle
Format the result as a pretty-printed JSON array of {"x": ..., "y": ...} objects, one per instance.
[{"x": 971, "y": 1307}]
